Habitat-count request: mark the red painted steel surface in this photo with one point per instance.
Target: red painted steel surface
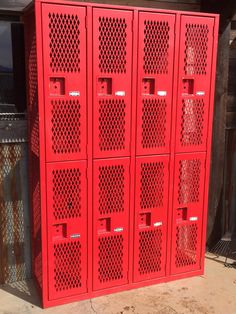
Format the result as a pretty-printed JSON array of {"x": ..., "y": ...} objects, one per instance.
[
  {"x": 120, "y": 106},
  {"x": 112, "y": 61},
  {"x": 155, "y": 74},
  {"x": 111, "y": 222},
  {"x": 195, "y": 65},
  {"x": 64, "y": 49},
  {"x": 188, "y": 200},
  {"x": 67, "y": 228},
  {"x": 151, "y": 204}
]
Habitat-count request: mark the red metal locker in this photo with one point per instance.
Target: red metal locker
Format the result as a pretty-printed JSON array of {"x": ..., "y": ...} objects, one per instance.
[
  {"x": 195, "y": 65},
  {"x": 188, "y": 204},
  {"x": 111, "y": 222},
  {"x": 112, "y": 62},
  {"x": 155, "y": 80},
  {"x": 67, "y": 228},
  {"x": 117, "y": 204},
  {"x": 151, "y": 203},
  {"x": 64, "y": 49}
]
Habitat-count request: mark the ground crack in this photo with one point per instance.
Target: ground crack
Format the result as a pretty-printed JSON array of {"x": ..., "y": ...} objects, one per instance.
[{"x": 93, "y": 309}]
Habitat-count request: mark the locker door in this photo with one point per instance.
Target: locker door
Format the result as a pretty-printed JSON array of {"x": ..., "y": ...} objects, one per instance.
[
  {"x": 155, "y": 76},
  {"x": 112, "y": 62},
  {"x": 196, "y": 43},
  {"x": 64, "y": 50},
  {"x": 67, "y": 228},
  {"x": 111, "y": 223},
  {"x": 189, "y": 181},
  {"x": 151, "y": 202}
]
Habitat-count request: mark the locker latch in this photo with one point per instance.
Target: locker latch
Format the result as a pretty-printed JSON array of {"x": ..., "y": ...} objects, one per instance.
[
  {"x": 182, "y": 213},
  {"x": 57, "y": 86},
  {"x": 145, "y": 220},
  {"x": 188, "y": 86},
  {"x": 148, "y": 86}
]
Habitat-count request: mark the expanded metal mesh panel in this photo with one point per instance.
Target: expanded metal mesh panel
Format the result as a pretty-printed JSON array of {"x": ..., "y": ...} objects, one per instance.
[
  {"x": 110, "y": 262},
  {"x": 111, "y": 189},
  {"x": 113, "y": 43},
  {"x": 67, "y": 266},
  {"x": 64, "y": 42},
  {"x": 196, "y": 46},
  {"x": 189, "y": 181},
  {"x": 186, "y": 245},
  {"x": 15, "y": 254},
  {"x": 156, "y": 47},
  {"x": 192, "y": 122},
  {"x": 66, "y": 126},
  {"x": 150, "y": 251},
  {"x": 112, "y": 128},
  {"x": 154, "y": 126},
  {"x": 152, "y": 185},
  {"x": 66, "y": 193}
]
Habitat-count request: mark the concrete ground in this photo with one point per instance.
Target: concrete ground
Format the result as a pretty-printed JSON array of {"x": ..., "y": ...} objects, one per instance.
[{"x": 215, "y": 292}]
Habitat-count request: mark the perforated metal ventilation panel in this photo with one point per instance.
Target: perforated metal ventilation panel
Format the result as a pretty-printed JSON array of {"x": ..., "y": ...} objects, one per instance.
[
  {"x": 67, "y": 193},
  {"x": 113, "y": 44},
  {"x": 150, "y": 251},
  {"x": 189, "y": 181},
  {"x": 156, "y": 46},
  {"x": 186, "y": 245},
  {"x": 67, "y": 266},
  {"x": 64, "y": 34},
  {"x": 110, "y": 258},
  {"x": 152, "y": 185},
  {"x": 154, "y": 126},
  {"x": 111, "y": 189},
  {"x": 112, "y": 128},
  {"x": 196, "y": 46}
]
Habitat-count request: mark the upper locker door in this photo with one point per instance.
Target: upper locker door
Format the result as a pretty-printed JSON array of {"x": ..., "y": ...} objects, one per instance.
[
  {"x": 112, "y": 61},
  {"x": 155, "y": 76},
  {"x": 195, "y": 58},
  {"x": 64, "y": 49}
]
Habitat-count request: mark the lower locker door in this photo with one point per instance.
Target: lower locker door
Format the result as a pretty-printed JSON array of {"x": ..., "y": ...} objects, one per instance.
[
  {"x": 151, "y": 202},
  {"x": 111, "y": 222},
  {"x": 187, "y": 212},
  {"x": 67, "y": 228}
]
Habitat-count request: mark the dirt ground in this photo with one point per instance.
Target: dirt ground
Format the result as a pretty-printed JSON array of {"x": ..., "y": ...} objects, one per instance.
[{"x": 215, "y": 292}]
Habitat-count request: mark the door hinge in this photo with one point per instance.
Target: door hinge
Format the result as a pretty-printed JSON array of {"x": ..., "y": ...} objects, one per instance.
[{"x": 86, "y": 21}]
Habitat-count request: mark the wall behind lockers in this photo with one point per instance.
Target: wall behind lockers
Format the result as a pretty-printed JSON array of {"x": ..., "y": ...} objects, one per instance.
[{"x": 185, "y": 5}]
